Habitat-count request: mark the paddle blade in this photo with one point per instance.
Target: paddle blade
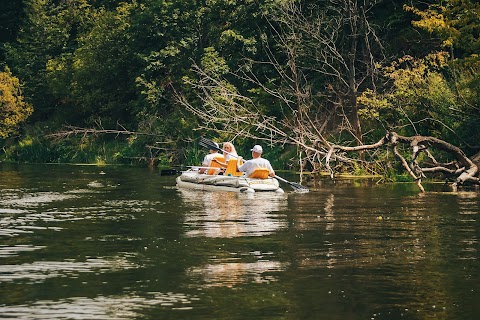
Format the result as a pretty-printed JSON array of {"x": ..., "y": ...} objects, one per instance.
[
  {"x": 297, "y": 187},
  {"x": 301, "y": 189},
  {"x": 206, "y": 143},
  {"x": 169, "y": 172}
]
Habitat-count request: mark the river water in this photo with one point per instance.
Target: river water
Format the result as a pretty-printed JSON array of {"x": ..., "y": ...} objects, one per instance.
[{"x": 87, "y": 242}]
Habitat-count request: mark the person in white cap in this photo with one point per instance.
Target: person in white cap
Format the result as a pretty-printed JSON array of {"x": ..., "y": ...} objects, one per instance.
[
  {"x": 207, "y": 160},
  {"x": 257, "y": 162}
]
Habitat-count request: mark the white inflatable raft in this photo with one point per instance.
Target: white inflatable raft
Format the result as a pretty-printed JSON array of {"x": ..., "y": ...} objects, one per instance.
[{"x": 194, "y": 180}]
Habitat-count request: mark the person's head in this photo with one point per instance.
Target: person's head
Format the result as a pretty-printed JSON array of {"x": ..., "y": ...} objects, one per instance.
[
  {"x": 256, "y": 151},
  {"x": 214, "y": 150},
  {"x": 228, "y": 147}
]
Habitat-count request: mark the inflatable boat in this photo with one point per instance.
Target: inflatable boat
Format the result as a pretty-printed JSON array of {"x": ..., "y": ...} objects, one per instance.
[{"x": 193, "y": 179}]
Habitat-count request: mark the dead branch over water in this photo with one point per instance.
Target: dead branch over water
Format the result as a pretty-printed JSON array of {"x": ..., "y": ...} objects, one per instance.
[
  {"x": 462, "y": 169},
  {"x": 79, "y": 131}
]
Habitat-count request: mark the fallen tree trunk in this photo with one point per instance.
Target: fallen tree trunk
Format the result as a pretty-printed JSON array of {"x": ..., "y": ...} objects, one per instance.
[{"x": 463, "y": 169}]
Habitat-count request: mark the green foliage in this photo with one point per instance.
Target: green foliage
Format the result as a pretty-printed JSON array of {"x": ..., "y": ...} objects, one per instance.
[
  {"x": 213, "y": 64},
  {"x": 13, "y": 108},
  {"x": 35, "y": 148},
  {"x": 456, "y": 22},
  {"x": 165, "y": 36},
  {"x": 103, "y": 64},
  {"x": 467, "y": 110},
  {"x": 11, "y": 14},
  {"x": 49, "y": 30},
  {"x": 193, "y": 154},
  {"x": 415, "y": 84}
]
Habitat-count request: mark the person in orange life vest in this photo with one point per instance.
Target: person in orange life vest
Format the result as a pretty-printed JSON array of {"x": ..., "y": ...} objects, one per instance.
[
  {"x": 229, "y": 153},
  {"x": 207, "y": 160},
  {"x": 256, "y": 162}
]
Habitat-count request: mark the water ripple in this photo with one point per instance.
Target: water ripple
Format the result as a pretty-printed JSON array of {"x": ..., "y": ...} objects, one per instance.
[
  {"x": 35, "y": 199},
  {"x": 41, "y": 270},
  {"x": 101, "y": 307},
  {"x": 9, "y": 251}
]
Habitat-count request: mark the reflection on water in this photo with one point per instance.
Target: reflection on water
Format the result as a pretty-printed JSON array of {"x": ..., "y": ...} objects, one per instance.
[
  {"x": 230, "y": 214},
  {"x": 406, "y": 247},
  {"x": 420, "y": 232},
  {"x": 368, "y": 233},
  {"x": 41, "y": 270},
  {"x": 111, "y": 307},
  {"x": 230, "y": 274},
  {"x": 8, "y": 251}
]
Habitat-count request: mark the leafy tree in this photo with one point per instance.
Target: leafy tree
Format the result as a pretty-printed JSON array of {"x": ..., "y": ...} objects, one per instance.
[
  {"x": 418, "y": 100},
  {"x": 165, "y": 39},
  {"x": 13, "y": 108},
  {"x": 175, "y": 34},
  {"x": 457, "y": 24},
  {"x": 103, "y": 67},
  {"x": 11, "y": 13},
  {"x": 48, "y": 31}
]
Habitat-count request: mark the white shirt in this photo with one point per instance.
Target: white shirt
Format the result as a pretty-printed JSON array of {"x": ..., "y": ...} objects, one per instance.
[
  {"x": 207, "y": 161},
  {"x": 250, "y": 165},
  {"x": 228, "y": 156}
]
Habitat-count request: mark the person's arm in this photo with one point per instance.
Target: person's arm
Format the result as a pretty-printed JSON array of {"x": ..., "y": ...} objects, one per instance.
[
  {"x": 223, "y": 164},
  {"x": 243, "y": 167},
  {"x": 205, "y": 163},
  {"x": 272, "y": 172}
]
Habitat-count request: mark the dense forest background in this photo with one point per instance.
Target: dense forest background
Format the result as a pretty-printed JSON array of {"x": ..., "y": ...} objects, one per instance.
[{"x": 105, "y": 81}]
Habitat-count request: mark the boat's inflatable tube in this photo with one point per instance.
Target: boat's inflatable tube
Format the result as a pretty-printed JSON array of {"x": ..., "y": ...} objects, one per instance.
[{"x": 195, "y": 180}]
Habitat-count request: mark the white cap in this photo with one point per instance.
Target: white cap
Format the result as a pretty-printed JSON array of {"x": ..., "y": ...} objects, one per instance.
[{"x": 257, "y": 149}]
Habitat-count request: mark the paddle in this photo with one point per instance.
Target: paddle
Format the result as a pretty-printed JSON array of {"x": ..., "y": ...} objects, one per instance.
[
  {"x": 206, "y": 143},
  {"x": 296, "y": 186},
  {"x": 169, "y": 172},
  {"x": 209, "y": 144}
]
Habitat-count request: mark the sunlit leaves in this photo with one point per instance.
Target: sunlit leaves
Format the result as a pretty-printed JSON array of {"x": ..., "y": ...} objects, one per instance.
[
  {"x": 371, "y": 104},
  {"x": 13, "y": 108},
  {"x": 419, "y": 93},
  {"x": 433, "y": 20},
  {"x": 213, "y": 64},
  {"x": 456, "y": 22}
]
